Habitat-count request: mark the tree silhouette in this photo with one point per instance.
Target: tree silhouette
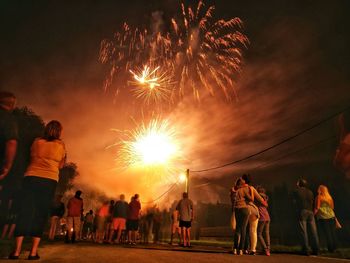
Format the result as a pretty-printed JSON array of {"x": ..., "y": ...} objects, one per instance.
[{"x": 66, "y": 178}]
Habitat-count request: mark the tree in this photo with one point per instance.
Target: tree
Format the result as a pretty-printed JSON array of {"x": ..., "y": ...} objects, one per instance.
[{"x": 66, "y": 178}]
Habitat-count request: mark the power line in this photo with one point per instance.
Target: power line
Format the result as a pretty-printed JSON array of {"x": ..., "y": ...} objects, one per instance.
[
  {"x": 274, "y": 145},
  {"x": 162, "y": 195},
  {"x": 294, "y": 152},
  {"x": 273, "y": 161}
]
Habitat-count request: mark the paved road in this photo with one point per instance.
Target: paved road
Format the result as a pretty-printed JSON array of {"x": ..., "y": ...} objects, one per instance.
[{"x": 87, "y": 252}]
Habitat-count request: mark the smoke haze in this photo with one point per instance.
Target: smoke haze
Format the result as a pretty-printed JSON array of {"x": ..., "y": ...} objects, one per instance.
[{"x": 286, "y": 86}]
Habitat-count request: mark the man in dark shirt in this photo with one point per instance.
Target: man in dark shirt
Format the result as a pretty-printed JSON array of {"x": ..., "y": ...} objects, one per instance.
[
  {"x": 8, "y": 148},
  {"x": 8, "y": 133},
  {"x": 133, "y": 218},
  {"x": 120, "y": 214},
  {"x": 304, "y": 199}
]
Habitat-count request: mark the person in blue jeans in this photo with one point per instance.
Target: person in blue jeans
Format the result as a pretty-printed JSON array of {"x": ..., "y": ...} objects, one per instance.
[{"x": 303, "y": 199}]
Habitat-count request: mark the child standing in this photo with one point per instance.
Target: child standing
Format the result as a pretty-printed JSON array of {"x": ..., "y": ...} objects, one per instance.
[{"x": 264, "y": 223}]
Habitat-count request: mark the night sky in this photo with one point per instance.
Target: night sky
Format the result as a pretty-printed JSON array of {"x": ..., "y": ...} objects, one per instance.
[{"x": 296, "y": 73}]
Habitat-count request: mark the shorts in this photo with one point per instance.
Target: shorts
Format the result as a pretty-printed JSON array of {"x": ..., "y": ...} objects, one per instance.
[
  {"x": 185, "y": 224},
  {"x": 73, "y": 223},
  {"x": 118, "y": 223},
  {"x": 133, "y": 225}
]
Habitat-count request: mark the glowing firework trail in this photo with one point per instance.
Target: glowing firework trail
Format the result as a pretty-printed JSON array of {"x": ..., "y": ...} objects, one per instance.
[
  {"x": 152, "y": 84},
  {"x": 207, "y": 53},
  {"x": 153, "y": 149}
]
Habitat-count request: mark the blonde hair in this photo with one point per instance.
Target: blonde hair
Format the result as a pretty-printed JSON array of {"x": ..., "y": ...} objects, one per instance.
[{"x": 324, "y": 195}]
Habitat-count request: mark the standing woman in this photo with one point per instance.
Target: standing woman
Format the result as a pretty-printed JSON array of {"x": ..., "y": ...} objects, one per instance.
[
  {"x": 241, "y": 196},
  {"x": 324, "y": 211},
  {"x": 48, "y": 155}
]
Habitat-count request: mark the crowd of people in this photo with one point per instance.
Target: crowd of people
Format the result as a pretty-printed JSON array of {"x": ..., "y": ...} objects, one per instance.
[
  {"x": 124, "y": 222},
  {"x": 251, "y": 219},
  {"x": 118, "y": 222}
]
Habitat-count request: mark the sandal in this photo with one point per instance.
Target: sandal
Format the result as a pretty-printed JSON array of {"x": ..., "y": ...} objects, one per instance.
[{"x": 12, "y": 256}]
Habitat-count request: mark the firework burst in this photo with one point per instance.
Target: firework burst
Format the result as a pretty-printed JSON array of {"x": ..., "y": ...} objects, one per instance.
[
  {"x": 206, "y": 53},
  {"x": 128, "y": 50},
  {"x": 153, "y": 149},
  {"x": 151, "y": 85},
  {"x": 198, "y": 54}
]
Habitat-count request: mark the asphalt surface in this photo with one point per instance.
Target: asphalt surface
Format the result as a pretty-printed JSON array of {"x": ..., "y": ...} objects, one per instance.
[{"x": 88, "y": 252}]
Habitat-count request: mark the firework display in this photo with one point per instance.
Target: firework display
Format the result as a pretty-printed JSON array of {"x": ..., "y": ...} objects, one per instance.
[
  {"x": 153, "y": 147},
  {"x": 206, "y": 53},
  {"x": 198, "y": 53}
]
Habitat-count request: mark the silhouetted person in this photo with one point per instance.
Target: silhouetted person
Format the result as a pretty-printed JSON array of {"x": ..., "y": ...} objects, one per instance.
[
  {"x": 8, "y": 148},
  {"x": 75, "y": 208},
  {"x": 8, "y": 133},
  {"x": 264, "y": 223},
  {"x": 241, "y": 196},
  {"x": 47, "y": 157},
  {"x": 133, "y": 218},
  {"x": 101, "y": 219},
  {"x": 186, "y": 213},
  {"x": 119, "y": 216},
  {"x": 157, "y": 222},
  {"x": 56, "y": 213},
  {"x": 88, "y": 225},
  {"x": 342, "y": 155},
  {"x": 324, "y": 211},
  {"x": 175, "y": 226},
  {"x": 304, "y": 199}
]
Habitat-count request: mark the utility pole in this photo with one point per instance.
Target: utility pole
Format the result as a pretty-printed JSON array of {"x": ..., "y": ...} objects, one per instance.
[{"x": 187, "y": 180}]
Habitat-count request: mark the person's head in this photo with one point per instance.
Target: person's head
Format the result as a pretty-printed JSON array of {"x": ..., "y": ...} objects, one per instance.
[
  {"x": 247, "y": 178},
  {"x": 111, "y": 202},
  {"x": 53, "y": 131},
  {"x": 91, "y": 212},
  {"x": 239, "y": 182},
  {"x": 122, "y": 197},
  {"x": 7, "y": 100},
  {"x": 324, "y": 193},
  {"x": 78, "y": 194},
  {"x": 136, "y": 197},
  {"x": 184, "y": 195},
  {"x": 261, "y": 190},
  {"x": 302, "y": 182}
]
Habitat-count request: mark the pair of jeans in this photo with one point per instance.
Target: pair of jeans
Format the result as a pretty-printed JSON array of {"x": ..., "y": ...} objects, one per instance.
[
  {"x": 242, "y": 215},
  {"x": 36, "y": 200},
  {"x": 307, "y": 223},
  {"x": 264, "y": 234},
  {"x": 328, "y": 228}
]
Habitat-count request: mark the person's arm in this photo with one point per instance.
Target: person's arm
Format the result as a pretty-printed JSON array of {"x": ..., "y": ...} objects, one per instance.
[
  {"x": 10, "y": 153},
  {"x": 63, "y": 210},
  {"x": 64, "y": 159},
  {"x": 332, "y": 204},
  {"x": 258, "y": 197},
  {"x": 317, "y": 204},
  {"x": 178, "y": 206},
  {"x": 192, "y": 211}
]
